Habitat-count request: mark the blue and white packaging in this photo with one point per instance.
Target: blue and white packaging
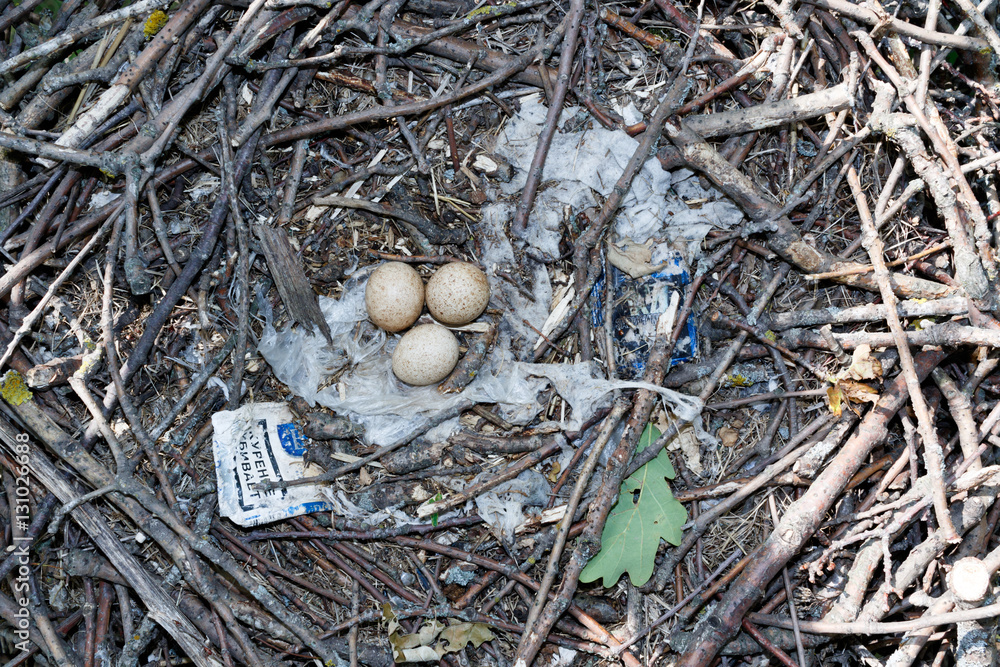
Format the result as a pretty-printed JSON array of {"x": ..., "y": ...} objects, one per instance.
[
  {"x": 637, "y": 304},
  {"x": 259, "y": 442}
]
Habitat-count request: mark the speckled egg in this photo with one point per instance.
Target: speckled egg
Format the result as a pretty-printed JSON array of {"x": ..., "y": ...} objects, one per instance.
[
  {"x": 394, "y": 296},
  {"x": 457, "y": 293},
  {"x": 426, "y": 354}
]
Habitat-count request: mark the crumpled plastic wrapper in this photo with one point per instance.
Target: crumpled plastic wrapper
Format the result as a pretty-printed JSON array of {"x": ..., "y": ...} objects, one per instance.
[
  {"x": 370, "y": 394},
  {"x": 502, "y": 507},
  {"x": 585, "y": 159}
]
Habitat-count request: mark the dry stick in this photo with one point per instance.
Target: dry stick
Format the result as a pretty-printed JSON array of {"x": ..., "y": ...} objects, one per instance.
[
  {"x": 771, "y": 114},
  {"x": 667, "y": 615},
  {"x": 170, "y": 119},
  {"x": 738, "y": 79},
  {"x": 794, "y": 449},
  {"x": 786, "y": 239},
  {"x": 519, "y": 225},
  {"x": 943, "y": 146},
  {"x": 381, "y": 113},
  {"x": 127, "y": 82},
  {"x": 67, "y": 37},
  {"x": 588, "y": 544},
  {"x": 773, "y": 506},
  {"x": 760, "y": 398},
  {"x": 292, "y": 181},
  {"x": 133, "y": 416},
  {"x": 948, "y": 333},
  {"x": 262, "y": 113},
  {"x": 985, "y": 28},
  {"x": 590, "y": 630},
  {"x": 927, "y": 54},
  {"x": 243, "y": 267},
  {"x": 435, "y": 234},
  {"x": 934, "y": 249},
  {"x": 352, "y": 637},
  {"x": 169, "y": 531},
  {"x": 88, "y": 158},
  {"x": 647, "y": 454},
  {"x": 942, "y": 54},
  {"x": 912, "y": 188},
  {"x": 134, "y": 267},
  {"x": 767, "y": 644},
  {"x": 969, "y": 269},
  {"x": 869, "y": 17},
  {"x": 194, "y": 387},
  {"x": 26, "y": 325},
  {"x": 932, "y": 446},
  {"x": 876, "y": 628},
  {"x": 966, "y": 515},
  {"x": 336, "y": 473},
  {"x": 156, "y": 218},
  {"x": 199, "y": 256},
  {"x": 761, "y": 335},
  {"x": 960, "y": 408},
  {"x": 161, "y": 607},
  {"x": 801, "y": 519},
  {"x": 618, "y": 410}
]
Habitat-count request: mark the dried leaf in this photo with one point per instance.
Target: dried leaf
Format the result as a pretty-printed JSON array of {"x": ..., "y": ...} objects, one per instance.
[
  {"x": 833, "y": 398},
  {"x": 457, "y": 635},
  {"x": 433, "y": 639},
  {"x": 728, "y": 436},
  {"x": 864, "y": 366},
  {"x": 858, "y": 391},
  {"x": 416, "y": 647}
]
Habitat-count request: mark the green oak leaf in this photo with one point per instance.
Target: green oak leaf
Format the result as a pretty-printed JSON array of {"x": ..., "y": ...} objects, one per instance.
[{"x": 646, "y": 511}]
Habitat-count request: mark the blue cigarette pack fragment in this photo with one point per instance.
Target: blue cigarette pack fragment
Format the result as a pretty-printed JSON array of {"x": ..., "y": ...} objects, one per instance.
[{"x": 637, "y": 304}]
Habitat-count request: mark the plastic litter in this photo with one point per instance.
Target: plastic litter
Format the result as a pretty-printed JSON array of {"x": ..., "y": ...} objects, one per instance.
[
  {"x": 503, "y": 506},
  {"x": 639, "y": 297},
  {"x": 585, "y": 159},
  {"x": 259, "y": 442},
  {"x": 368, "y": 393},
  {"x": 496, "y": 254}
]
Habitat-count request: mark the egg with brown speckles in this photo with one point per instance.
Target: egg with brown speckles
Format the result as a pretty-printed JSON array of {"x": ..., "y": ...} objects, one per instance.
[
  {"x": 394, "y": 296},
  {"x": 426, "y": 354},
  {"x": 457, "y": 293}
]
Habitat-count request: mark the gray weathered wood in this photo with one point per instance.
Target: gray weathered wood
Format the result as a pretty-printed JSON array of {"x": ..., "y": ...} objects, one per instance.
[
  {"x": 160, "y": 605},
  {"x": 770, "y": 114}
]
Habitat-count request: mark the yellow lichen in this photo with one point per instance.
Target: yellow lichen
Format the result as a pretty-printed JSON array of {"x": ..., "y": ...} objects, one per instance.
[
  {"x": 89, "y": 361},
  {"x": 13, "y": 388},
  {"x": 737, "y": 380},
  {"x": 489, "y": 10},
  {"x": 156, "y": 20}
]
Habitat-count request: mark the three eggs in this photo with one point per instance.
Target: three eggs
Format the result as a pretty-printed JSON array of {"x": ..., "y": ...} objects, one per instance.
[{"x": 455, "y": 295}]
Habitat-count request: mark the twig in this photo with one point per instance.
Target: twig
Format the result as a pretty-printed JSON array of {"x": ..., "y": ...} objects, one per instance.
[
  {"x": 799, "y": 522},
  {"x": 573, "y": 17},
  {"x": 932, "y": 446},
  {"x": 475, "y": 490},
  {"x": 435, "y": 234},
  {"x": 589, "y": 542},
  {"x": 618, "y": 410},
  {"x": 876, "y": 628},
  {"x": 865, "y": 15},
  {"x": 67, "y": 37}
]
